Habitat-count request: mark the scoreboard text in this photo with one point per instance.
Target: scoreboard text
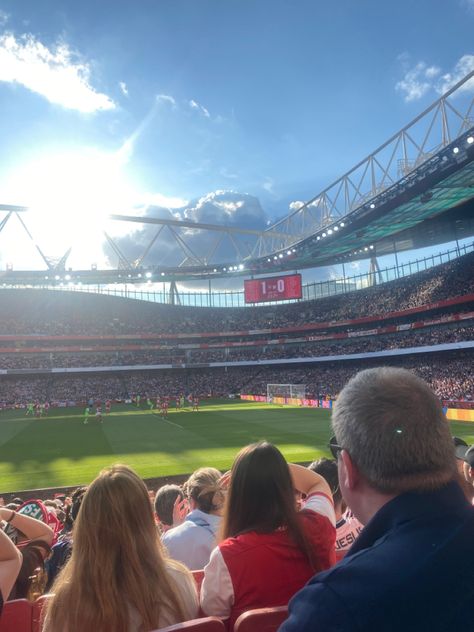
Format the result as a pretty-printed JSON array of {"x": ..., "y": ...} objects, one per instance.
[{"x": 279, "y": 288}]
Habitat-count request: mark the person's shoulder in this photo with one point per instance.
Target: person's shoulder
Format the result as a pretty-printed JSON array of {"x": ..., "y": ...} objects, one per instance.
[
  {"x": 317, "y": 608},
  {"x": 319, "y": 504},
  {"x": 175, "y": 533}
]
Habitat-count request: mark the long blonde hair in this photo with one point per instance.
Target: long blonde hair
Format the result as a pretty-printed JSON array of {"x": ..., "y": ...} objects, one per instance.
[{"x": 116, "y": 564}]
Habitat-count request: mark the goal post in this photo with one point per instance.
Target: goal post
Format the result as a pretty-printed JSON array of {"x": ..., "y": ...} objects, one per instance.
[{"x": 285, "y": 391}]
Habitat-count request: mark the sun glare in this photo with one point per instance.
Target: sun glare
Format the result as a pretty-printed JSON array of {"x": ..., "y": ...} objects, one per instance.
[{"x": 70, "y": 196}]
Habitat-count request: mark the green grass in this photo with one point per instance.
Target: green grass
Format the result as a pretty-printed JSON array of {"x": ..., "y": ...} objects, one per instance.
[{"x": 60, "y": 450}]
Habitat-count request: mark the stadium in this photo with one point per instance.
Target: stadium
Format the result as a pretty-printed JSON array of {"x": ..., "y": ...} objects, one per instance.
[{"x": 173, "y": 364}]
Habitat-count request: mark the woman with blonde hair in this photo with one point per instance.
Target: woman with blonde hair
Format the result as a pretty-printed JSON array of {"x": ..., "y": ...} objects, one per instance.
[
  {"x": 192, "y": 541},
  {"x": 118, "y": 579}
]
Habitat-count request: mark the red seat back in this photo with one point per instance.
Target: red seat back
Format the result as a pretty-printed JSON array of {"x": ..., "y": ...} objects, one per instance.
[
  {"x": 198, "y": 577},
  {"x": 37, "y": 610},
  {"x": 261, "y": 620},
  {"x": 207, "y": 624},
  {"x": 16, "y": 616}
]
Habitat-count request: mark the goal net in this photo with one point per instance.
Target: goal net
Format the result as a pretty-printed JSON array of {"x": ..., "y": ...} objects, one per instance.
[{"x": 285, "y": 391}]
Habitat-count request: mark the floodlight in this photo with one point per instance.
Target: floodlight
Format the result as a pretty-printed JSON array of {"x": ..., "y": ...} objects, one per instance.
[
  {"x": 470, "y": 140},
  {"x": 456, "y": 150},
  {"x": 372, "y": 205},
  {"x": 342, "y": 224},
  {"x": 336, "y": 227},
  {"x": 324, "y": 235},
  {"x": 330, "y": 231},
  {"x": 68, "y": 277},
  {"x": 162, "y": 274},
  {"x": 241, "y": 266},
  {"x": 57, "y": 277},
  {"x": 281, "y": 255},
  {"x": 148, "y": 275}
]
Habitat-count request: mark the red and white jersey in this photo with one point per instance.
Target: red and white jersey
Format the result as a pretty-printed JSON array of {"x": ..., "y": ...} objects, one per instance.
[
  {"x": 258, "y": 570},
  {"x": 347, "y": 530}
]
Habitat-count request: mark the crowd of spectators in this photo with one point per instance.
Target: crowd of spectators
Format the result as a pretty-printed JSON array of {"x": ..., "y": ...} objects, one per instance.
[
  {"x": 451, "y": 375},
  {"x": 440, "y": 334},
  {"x": 70, "y": 313}
]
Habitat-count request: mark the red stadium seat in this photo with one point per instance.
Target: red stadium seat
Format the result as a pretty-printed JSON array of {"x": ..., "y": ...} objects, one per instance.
[
  {"x": 207, "y": 624},
  {"x": 17, "y": 616},
  {"x": 198, "y": 577},
  {"x": 261, "y": 620},
  {"x": 37, "y": 610}
]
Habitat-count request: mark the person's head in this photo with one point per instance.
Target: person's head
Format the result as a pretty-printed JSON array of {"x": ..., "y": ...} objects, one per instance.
[
  {"x": 204, "y": 491},
  {"x": 392, "y": 436},
  {"x": 460, "y": 449},
  {"x": 164, "y": 502},
  {"x": 261, "y": 495},
  {"x": 328, "y": 470},
  {"x": 468, "y": 469},
  {"x": 116, "y": 560}
]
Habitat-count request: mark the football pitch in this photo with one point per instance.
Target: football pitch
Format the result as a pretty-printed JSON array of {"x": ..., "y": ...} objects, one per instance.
[{"x": 59, "y": 450}]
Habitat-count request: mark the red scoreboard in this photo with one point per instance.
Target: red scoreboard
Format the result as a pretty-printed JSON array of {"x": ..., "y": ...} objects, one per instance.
[{"x": 273, "y": 288}]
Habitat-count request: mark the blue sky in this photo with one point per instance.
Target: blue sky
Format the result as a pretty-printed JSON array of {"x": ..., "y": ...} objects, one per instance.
[{"x": 172, "y": 100}]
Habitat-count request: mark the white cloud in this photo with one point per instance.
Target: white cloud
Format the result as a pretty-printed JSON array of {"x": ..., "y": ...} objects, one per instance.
[
  {"x": 297, "y": 204},
  {"x": 268, "y": 185},
  {"x": 432, "y": 71},
  {"x": 165, "y": 98},
  {"x": 123, "y": 88},
  {"x": 56, "y": 74},
  {"x": 164, "y": 201},
  {"x": 194, "y": 105},
  {"x": 415, "y": 84},
  {"x": 421, "y": 78},
  {"x": 4, "y": 17},
  {"x": 464, "y": 66}
]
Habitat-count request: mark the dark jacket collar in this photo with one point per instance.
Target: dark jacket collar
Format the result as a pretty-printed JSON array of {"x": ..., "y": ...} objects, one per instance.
[{"x": 410, "y": 506}]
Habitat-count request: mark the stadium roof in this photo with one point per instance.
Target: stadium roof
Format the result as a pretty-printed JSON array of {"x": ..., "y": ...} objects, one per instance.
[{"x": 416, "y": 190}]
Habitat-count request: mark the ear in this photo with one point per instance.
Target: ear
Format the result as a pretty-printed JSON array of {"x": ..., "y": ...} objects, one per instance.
[{"x": 348, "y": 470}]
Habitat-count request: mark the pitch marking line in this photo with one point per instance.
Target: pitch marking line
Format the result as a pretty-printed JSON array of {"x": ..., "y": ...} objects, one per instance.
[{"x": 169, "y": 422}]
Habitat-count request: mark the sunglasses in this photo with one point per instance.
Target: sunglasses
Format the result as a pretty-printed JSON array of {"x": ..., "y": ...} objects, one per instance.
[{"x": 334, "y": 447}]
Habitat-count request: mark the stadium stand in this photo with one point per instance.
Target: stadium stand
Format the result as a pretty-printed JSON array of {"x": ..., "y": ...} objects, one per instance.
[{"x": 114, "y": 348}]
